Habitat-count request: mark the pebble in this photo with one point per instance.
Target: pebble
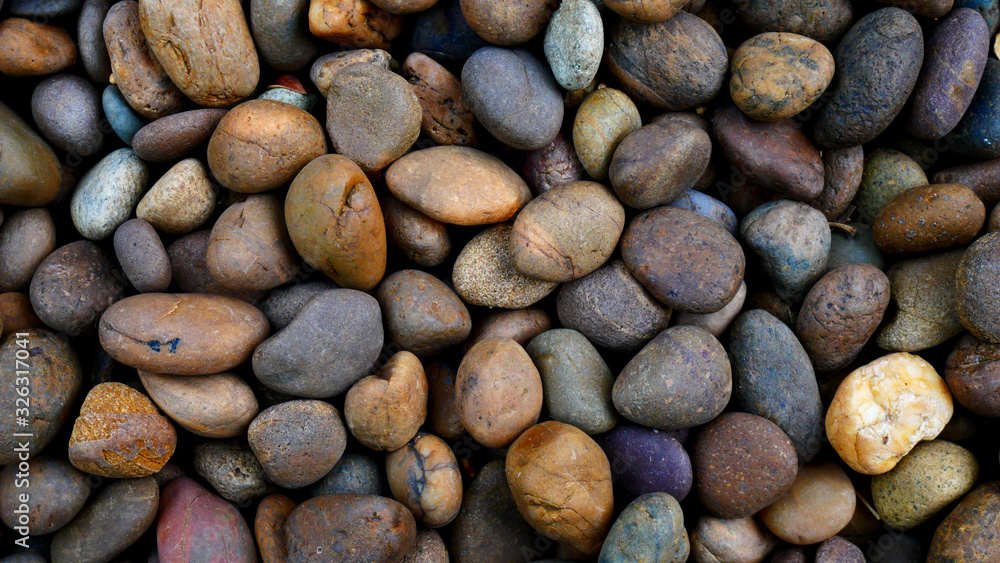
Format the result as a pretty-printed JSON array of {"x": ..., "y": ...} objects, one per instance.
[
  {"x": 736, "y": 539},
  {"x": 965, "y": 533},
  {"x": 74, "y": 285},
  {"x": 685, "y": 260},
  {"x": 283, "y": 304},
  {"x": 676, "y": 64},
  {"x": 230, "y": 467},
  {"x": 977, "y": 296},
  {"x": 182, "y": 200},
  {"x": 605, "y": 117},
  {"x": 877, "y": 62},
  {"x": 574, "y": 43},
  {"x": 872, "y": 423},
  {"x": 283, "y": 140},
  {"x": 709, "y": 207},
  {"x": 651, "y": 526},
  {"x": 16, "y": 313},
  {"x": 489, "y": 521},
  {"x": 576, "y": 381},
  {"x": 27, "y": 236},
  {"x": 857, "y": 247},
  {"x": 193, "y": 523},
  {"x": 422, "y": 314},
  {"x": 108, "y": 194},
  {"x": 513, "y": 95},
  {"x": 792, "y": 241},
  {"x": 120, "y": 434},
  {"x": 520, "y": 325},
  {"x": 173, "y": 137},
  {"x": 777, "y": 75},
  {"x": 189, "y": 267},
  {"x": 424, "y": 476},
  {"x": 281, "y": 32},
  {"x": 973, "y": 375},
  {"x": 978, "y": 176},
  {"x": 354, "y": 526},
  {"x": 348, "y": 245},
  {"x": 561, "y": 482},
  {"x": 141, "y": 254},
  {"x": 928, "y": 218},
  {"x": 773, "y": 378},
  {"x": 214, "y": 406},
  {"x": 645, "y": 460},
  {"x": 819, "y": 504},
  {"x": 354, "y": 474},
  {"x": 56, "y": 381},
  {"x": 839, "y": 550},
  {"x": 986, "y": 8},
  {"x": 358, "y": 23},
  {"x": 297, "y": 442},
  {"x": 507, "y": 24},
  {"x": 776, "y": 156},
  {"x": 822, "y": 20},
  {"x": 566, "y": 232},
  {"x": 322, "y": 71},
  {"x": 647, "y": 12},
  {"x": 428, "y": 548},
  {"x": 112, "y": 521},
  {"x": 330, "y": 344},
  {"x": 269, "y": 527},
  {"x": 484, "y": 273},
  {"x": 923, "y": 290},
  {"x": 124, "y": 121},
  {"x": 742, "y": 463},
  {"x": 373, "y": 116},
  {"x": 660, "y": 162},
  {"x": 842, "y": 173},
  {"x": 58, "y": 493},
  {"x": 384, "y": 411},
  {"x": 206, "y": 50},
  {"x": 249, "y": 248},
  {"x": 442, "y": 412},
  {"x": 553, "y": 165},
  {"x": 416, "y": 236},
  {"x": 67, "y": 111},
  {"x": 954, "y": 61},
  {"x": 925, "y": 481},
  {"x": 458, "y": 185},
  {"x": 841, "y": 313},
  {"x": 498, "y": 392},
  {"x": 681, "y": 379},
  {"x": 443, "y": 33},
  {"x": 446, "y": 118},
  {"x": 716, "y": 323},
  {"x": 182, "y": 334},
  {"x": 34, "y": 48},
  {"x": 135, "y": 68},
  {"x": 32, "y": 174}
]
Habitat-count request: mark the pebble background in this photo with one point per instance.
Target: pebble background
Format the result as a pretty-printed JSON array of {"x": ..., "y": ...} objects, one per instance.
[{"x": 419, "y": 281}]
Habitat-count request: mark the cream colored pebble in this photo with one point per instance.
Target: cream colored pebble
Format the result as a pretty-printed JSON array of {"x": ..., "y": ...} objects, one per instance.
[{"x": 881, "y": 410}]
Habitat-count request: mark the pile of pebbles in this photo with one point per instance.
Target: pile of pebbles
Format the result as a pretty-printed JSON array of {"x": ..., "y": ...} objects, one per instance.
[{"x": 499, "y": 281}]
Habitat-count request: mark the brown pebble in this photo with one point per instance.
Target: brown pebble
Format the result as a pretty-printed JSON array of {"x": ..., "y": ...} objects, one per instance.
[
  {"x": 29, "y": 48},
  {"x": 447, "y": 119},
  {"x": 249, "y": 248},
  {"x": 384, "y": 411},
  {"x": 358, "y": 23},
  {"x": 926, "y": 218},
  {"x": 171, "y": 138},
  {"x": 269, "y": 527},
  {"x": 17, "y": 314},
  {"x": 416, "y": 236},
  {"x": 425, "y": 477},
  {"x": 120, "y": 434}
]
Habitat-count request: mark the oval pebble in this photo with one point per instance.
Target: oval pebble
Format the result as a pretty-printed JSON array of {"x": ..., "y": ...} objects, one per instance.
[{"x": 108, "y": 194}]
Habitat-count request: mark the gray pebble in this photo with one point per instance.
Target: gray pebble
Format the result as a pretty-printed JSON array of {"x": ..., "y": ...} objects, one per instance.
[
  {"x": 574, "y": 43},
  {"x": 108, "y": 194},
  {"x": 354, "y": 473},
  {"x": 232, "y": 469},
  {"x": 142, "y": 256},
  {"x": 67, "y": 110}
]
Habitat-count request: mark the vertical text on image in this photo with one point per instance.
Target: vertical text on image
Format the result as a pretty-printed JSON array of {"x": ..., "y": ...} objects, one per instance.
[{"x": 22, "y": 439}]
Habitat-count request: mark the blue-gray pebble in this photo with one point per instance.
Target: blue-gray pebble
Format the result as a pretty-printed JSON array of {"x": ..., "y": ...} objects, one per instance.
[
  {"x": 354, "y": 473},
  {"x": 90, "y": 40},
  {"x": 123, "y": 119},
  {"x": 574, "y": 43},
  {"x": 649, "y": 529},
  {"x": 514, "y": 96},
  {"x": 978, "y": 134},
  {"x": 704, "y": 204},
  {"x": 989, "y": 9},
  {"x": 41, "y": 8},
  {"x": 774, "y": 378},
  {"x": 442, "y": 33},
  {"x": 792, "y": 241},
  {"x": 108, "y": 194},
  {"x": 857, "y": 248},
  {"x": 66, "y": 110},
  {"x": 576, "y": 381},
  {"x": 878, "y": 62}
]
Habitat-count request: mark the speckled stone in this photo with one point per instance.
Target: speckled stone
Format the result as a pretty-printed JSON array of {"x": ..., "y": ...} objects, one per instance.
[
  {"x": 231, "y": 468},
  {"x": 182, "y": 200},
  {"x": 929, "y": 478},
  {"x": 923, "y": 290},
  {"x": 978, "y": 133},
  {"x": 605, "y": 117},
  {"x": 652, "y": 527},
  {"x": 281, "y": 32},
  {"x": 108, "y": 194},
  {"x": 576, "y": 381},
  {"x": 977, "y": 292},
  {"x": 736, "y": 539},
  {"x": 66, "y": 109},
  {"x": 645, "y": 460},
  {"x": 354, "y": 473},
  {"x": 574, "y": 43},
  {"x": 819, "y": 504},
  {"x": 484, "y": 273},
  {"x": 792, "y": 240},
  {"x": 142, "y": 256},
  {"x": 968, "y": 533},
  {"x": 170, "y": 138}
]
